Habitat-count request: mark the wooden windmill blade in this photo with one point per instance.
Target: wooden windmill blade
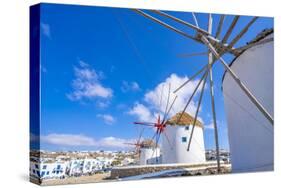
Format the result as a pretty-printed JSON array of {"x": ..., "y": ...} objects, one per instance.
[
  {"x": 165, "y": 119},
  {"x": 168, "y": 140},
  {"x": 195, "y": 19},
  {"x": 161, "y": 96},
  {"x": 139, "y": 143},
  {"x": 191, "y": 78},
  {"x": 210, "y": 62},
  {"x": 154, "y": 146},
  {"x": 197, "y": 111},
  {"x": 167, "y": 103},
  {"x": 242, "y": 32},
  {"x": 219, "y": 29},
  {"x": 196, "y": 28},
  {"x": 128, "y": 143},
  {"x": 145, "y": 123},
  {"x": 192, "y": 54},
  {"x": 230, "y": 29},
  {"x": 166, "y": 25},
  {"x": 192, "y": 95},
  {"x": 249, "y": 45},
  {"x": 140, "y": 136}
]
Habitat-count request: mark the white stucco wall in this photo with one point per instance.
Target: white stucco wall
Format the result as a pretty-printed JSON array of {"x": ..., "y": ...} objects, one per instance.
[
  {"x": 176, "y": 152},
  {"x": 149, "y": 156},
  {"x": 250, "y": 133},
  {"x": 48, "y": 170}
]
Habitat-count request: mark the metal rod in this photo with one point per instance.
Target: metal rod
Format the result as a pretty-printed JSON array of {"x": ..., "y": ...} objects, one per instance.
[
  {"x": 197, "y": 112},
  {"x": 161, "y": 96},
  {"x": 168, "y": 140},
  {"x": 210, "y": 61},
  {"x": 191, "y": 78},
  {"x": 214, "y": 119},
  {"x": 210, "y": 24},
  {"x": 219, "y": 29},
  {"x": 211, "y": 38},
  {"x": 229, "y": 31},
  {"x": 193, "y": 54},
  {"x": 195, "y": 19},
  {"x": 165, "y": 24},
  {"x": 190, "y": 98},
  {"x": 157, "y": 140},
  {"x": 238, "y": 81},
  {"x": 242, "y": 32},
  {"x": 253, "y": 44},
  {"x": 154, "y": 148},
  {"x": 144, "y": 123},
  {"x": 138, "y": 141},
  {"x": 167, "y": 104},
  {"x": 202, "y": 31},
  {"x": 182, "y": 22},
  {"x": 165, "y": 117}
]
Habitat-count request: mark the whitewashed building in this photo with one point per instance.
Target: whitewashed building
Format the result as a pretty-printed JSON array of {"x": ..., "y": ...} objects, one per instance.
[
  {"x": 75, "y": 167},
  {"x": 91, "y": 165},
  {"x": 48, "y": 170},
  {"x": 250, "y": 133},
  {"x": 175, "y": 142}
]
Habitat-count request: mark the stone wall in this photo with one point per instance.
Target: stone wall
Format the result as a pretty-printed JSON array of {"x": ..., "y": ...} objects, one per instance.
[{"x": 121, "y": 172}]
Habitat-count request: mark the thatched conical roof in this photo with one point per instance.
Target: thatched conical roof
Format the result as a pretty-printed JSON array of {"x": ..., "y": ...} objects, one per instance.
[
  {"x": 186, "y": 120},
  {"x": 148, "y": 143}
]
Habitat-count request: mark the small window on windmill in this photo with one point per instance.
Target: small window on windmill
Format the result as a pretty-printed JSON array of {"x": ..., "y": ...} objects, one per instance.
[
  {"x": 183, "y": 139},
  {"x": 187, "y": 128}
]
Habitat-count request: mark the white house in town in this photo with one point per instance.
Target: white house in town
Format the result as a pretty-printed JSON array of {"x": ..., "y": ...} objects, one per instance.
[
  {"x": 91, "y": 165},
  {"x": 175, "y": 142},
  {"x": 250, "y": 133},
  {"x": 48, "y": 169}
]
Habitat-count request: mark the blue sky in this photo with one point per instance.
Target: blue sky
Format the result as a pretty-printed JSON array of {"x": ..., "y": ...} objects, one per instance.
[{"x": 102, "y": 68}]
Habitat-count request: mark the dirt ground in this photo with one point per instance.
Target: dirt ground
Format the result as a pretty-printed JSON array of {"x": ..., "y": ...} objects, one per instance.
[{"x": 78, "y": 180}]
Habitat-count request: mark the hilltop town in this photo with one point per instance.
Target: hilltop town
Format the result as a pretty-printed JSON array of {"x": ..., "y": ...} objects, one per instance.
[{"x": 48, "y": 167}]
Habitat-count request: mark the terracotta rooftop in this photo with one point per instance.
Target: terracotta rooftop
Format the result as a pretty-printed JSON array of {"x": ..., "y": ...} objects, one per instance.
[{"x": 186, "y": 120}]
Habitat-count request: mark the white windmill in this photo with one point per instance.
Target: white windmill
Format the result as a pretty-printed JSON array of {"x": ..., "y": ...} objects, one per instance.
[
  {"x": 178, "y": 133},
  {"x": 216, "y": 48}
]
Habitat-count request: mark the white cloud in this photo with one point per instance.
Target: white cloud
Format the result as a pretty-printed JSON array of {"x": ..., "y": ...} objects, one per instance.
[
  {"x": 130, "y": 86},
  {"x": 142, "y": 113},
  {"x": 108, "y": 119},
  {"x": 154, "y": 105},
  {"x": 82, "y": 140},
  {"x": 153, "y": 97},
  {"x": 209, "y": 126},
  {"x": 46, "y": 29},
  {"x": 103, "y": 104},
  {"x": 68, "y": 140},
  {"x": 115, "y": 142},
  {"x": 87, "y": 85}
]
